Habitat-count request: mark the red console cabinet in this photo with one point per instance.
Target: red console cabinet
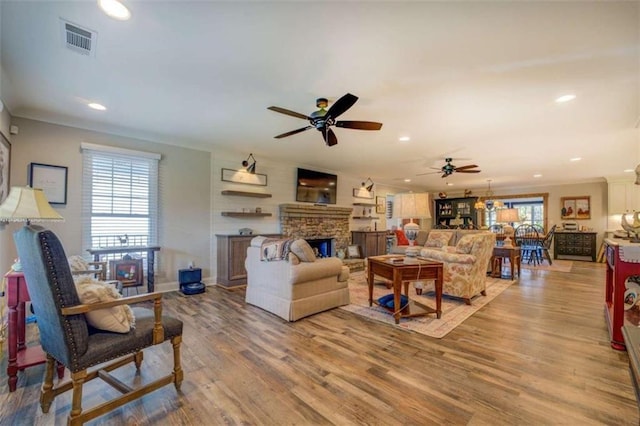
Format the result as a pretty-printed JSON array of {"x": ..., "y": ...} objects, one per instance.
[
  {"x": 20, "y": 356},
  {"x": 623, "y": 261}
]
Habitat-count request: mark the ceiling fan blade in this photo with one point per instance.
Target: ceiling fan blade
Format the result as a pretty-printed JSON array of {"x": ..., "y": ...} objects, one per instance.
[
  {"x": 289, "y": 112},
  {"x": 470, "y": 166},
  {"x": 444, "y": 175},
  {"x": 467, "y": 171},
  {"x": 329, "y": 137},
  {"x": 341, "y": 105},
  {"x": 359, "y": 125},
  {"x": 293, "y": 132},
  {"x": 428, "y": 173}
]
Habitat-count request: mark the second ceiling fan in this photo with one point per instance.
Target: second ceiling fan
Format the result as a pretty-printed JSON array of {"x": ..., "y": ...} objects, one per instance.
[
  {"x": 448, "y": 169},
  {"x": 323, "y": 119}
]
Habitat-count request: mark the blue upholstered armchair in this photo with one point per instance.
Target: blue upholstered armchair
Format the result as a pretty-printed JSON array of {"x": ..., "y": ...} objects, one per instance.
[{"x": 66, "y": 336}]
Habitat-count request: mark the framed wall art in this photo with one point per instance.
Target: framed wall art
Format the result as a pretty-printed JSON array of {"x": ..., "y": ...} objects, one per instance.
[
  {"x": 5, "y": 164},
  {"x": 242, "y": 176},
  {"x": 353, "y": 252},
  {"x": 51, "y": 179},
  {"x": 381, "y": 203},
  {"x": 575, "y": 207}
]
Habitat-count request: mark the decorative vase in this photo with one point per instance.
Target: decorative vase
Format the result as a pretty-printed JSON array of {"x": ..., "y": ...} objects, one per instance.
[{"x": 340, "y": 254}]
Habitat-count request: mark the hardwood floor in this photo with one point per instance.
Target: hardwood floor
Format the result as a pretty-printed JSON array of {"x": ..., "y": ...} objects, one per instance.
[{"x": 537, "y": 354}]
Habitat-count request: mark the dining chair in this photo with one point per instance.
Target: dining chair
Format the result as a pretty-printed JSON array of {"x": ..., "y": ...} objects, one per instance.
[
  {"x": 68, "y": 336},
  {"x": 545, "y": 245},
  {"x": 528, "y": 239}
]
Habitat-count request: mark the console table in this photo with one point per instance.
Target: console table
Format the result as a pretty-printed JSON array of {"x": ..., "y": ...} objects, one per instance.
[
  {"x": 623, "y": 261},
  {"x": 575, "y": 243},
  {"x": 150, "y": 250},
  {"x": 20, "y": 356}
]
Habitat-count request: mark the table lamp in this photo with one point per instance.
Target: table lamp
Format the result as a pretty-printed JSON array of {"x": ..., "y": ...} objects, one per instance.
[
  {"x": 411, "y": 206},
  {"x": 507, "y": 216},
  {"x": 27, "y": 204}
]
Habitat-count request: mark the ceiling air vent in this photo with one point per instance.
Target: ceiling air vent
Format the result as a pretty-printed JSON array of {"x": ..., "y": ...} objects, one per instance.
[{"x": 80, "y": 40}]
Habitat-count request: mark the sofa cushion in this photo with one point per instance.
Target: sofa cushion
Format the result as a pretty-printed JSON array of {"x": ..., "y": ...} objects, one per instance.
[
  {"x": 465, "y": 244},
  {"x": 293, "y": 259},
  {"x": 438, "y": 239},
  {"x": 303, "y": 250},
  {"x": 401, "y": 238}
]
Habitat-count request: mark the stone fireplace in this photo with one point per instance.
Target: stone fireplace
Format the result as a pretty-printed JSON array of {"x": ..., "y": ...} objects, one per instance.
[{"x": 317, "y": 222}]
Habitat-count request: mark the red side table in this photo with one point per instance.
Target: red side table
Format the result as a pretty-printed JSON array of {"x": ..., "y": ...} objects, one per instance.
[{"x": 20, "y": 356}]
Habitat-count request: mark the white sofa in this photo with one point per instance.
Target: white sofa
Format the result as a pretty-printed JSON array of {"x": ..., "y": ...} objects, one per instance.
[{"x": 294, "y": 288}]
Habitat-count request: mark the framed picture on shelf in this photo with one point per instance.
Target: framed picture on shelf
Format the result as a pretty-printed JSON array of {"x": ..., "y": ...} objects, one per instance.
[
  {"x": 380, "y": 204},
  {"x": 51, "y": 179},
  {"x": 362, "y": 193},
  {"x": 242, "y": 176},
  {"x": 353, "y": 252},
  {"x": 575, "y": 207}
]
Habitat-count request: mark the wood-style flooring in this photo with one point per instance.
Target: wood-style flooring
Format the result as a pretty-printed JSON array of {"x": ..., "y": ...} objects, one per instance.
[{"x": 538, "y": 354}]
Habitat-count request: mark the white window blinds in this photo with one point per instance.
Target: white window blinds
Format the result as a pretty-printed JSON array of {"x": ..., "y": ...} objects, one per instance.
[{"x": 119, "y": 197}]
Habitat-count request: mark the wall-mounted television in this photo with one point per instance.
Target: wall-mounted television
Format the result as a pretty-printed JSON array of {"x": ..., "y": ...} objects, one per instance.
[{"x": 316, "y": 187}]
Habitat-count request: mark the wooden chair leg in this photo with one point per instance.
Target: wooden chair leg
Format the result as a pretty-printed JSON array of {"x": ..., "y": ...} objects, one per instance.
[
  {"x": 76, "y": 401},
  {"x": 177, "y": 366},
  {"x": 137, "y": 359},
  {"x": 46, "y": 392}
]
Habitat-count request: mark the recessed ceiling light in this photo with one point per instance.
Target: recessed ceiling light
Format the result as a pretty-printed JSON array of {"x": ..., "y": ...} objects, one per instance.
[
  {"x": 576, "y": 159},
  {"x": 449, "y": 184},
  {"x": 628, "y": 170},
  {"x": 537, "y": 175},
  {"x": 115, "y": 9},
  {"x": 97, "y": 106},
  {"x": 565, "y": 98},
  {"x": 407, "y": 180},
  {"x": 404, "y": 139}
]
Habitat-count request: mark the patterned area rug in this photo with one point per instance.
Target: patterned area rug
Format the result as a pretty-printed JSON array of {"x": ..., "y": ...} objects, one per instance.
[
  {"x": 559, "y": 265},
  {"x": 454, "y": 311}
]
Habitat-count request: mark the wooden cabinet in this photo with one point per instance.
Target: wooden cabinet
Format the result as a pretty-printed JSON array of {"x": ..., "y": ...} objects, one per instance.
[
  {"x": 623, "y": 197},
  {"x": 372, "y": 243},
  {"x": 232, "y": 251},
  {"x": 581, "y": 244},
  {"x": 447, "y": 209}
]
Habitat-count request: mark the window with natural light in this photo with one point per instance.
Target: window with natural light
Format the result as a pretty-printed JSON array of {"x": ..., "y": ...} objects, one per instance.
[{"x": 120, "y": 198}]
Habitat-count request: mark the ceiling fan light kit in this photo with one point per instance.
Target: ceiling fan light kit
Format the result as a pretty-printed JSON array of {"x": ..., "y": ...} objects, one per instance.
[
  {"x": 448, "y": 169},
  {"x": 323, "y": 119}
]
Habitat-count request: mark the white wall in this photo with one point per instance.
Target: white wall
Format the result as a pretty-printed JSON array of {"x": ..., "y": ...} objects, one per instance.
[{"x": 184, "y": 191}]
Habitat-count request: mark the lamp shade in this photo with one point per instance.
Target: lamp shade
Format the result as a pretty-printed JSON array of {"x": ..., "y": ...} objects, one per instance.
[
  {"x": 507, "y": 216},
  {"x": 27, "y": 204},
  {"x": 411, "y": 206}
]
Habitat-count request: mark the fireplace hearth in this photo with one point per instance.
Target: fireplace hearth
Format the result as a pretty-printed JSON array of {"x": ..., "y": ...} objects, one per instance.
[
  {"x": 317, "y": 222},
  {"x": 322, "y": 246}
]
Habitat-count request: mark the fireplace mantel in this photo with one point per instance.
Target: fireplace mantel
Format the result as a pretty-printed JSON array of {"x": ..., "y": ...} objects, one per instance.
[{"x": 311, "y": 210}]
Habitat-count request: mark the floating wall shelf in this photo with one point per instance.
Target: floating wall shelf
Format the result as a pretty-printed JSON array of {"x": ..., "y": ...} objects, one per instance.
[
  {"x": 246, "y": 194},
  {"x": 241, "y": 214}
]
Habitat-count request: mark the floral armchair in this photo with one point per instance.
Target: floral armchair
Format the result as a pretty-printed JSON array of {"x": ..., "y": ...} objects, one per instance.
[{"x": 464, "y": 265}]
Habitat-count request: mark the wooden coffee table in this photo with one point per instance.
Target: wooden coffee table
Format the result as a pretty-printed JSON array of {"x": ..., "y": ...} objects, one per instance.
[{"x": 400, "y": 270}]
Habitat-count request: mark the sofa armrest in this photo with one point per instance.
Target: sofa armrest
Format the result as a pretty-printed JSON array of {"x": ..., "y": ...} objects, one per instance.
[
  {"x": 445, "y": 256},
  {"x": 311, "y": 271}
]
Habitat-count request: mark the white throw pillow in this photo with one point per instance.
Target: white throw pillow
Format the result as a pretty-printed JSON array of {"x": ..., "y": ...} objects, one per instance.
[{"x": 118, "y": 319}]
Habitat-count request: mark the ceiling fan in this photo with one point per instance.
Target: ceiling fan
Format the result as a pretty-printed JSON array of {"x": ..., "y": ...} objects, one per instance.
[
  {"x": 448, "y": 169},
  {"x": 322, "y": 119}
]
